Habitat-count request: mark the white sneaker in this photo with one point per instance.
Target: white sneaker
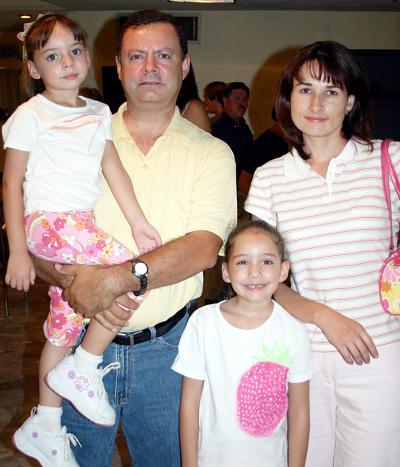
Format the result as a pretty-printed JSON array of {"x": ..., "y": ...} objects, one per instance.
[
  {"x": 50, "y": 449},
  {"x": 84, "y": 389}
]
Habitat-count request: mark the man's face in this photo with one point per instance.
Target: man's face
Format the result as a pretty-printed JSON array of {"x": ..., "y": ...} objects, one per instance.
[
  {"x": 236, "y": 104},
  {"x": 150, "y": 65}
]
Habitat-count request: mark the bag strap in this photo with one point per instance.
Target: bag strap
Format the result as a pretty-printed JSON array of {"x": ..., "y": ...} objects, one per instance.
[{"x": 389, "y": 173}]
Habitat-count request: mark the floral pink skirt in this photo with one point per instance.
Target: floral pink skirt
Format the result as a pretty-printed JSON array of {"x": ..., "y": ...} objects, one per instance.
[{"x": 70, "y": 237}]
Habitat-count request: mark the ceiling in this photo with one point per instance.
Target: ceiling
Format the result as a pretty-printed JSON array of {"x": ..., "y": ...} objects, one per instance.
[{"x": 10, "y": 10}]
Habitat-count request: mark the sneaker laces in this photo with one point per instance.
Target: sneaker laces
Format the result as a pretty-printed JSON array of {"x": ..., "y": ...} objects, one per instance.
[
  {"x": 67, "y": 438},
  {"x": 98, "y": 375}
]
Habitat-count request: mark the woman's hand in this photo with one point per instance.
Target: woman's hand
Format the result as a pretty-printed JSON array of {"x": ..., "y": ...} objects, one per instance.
[{"x": 349, "y": 337}]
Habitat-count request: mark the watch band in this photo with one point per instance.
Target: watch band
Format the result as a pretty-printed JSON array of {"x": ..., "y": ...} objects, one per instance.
[{"x": 140, "y": 270}]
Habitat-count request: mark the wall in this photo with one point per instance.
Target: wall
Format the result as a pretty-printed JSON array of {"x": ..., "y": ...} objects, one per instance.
[
  {"x": 250, "y": 46},
  {"x": 253, "y": 46}
]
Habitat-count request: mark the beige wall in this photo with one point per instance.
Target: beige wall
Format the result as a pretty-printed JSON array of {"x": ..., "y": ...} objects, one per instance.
[{"x": 253, "y": 46}]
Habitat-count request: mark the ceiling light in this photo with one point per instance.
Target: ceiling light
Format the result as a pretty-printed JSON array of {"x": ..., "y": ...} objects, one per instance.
[
  {"x": 202, "y": 1},
  {"x": 22, "y": 16}
]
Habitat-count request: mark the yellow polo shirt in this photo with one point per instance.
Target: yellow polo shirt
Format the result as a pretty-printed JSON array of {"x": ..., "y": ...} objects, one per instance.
[{"x": 185, "y": 183}]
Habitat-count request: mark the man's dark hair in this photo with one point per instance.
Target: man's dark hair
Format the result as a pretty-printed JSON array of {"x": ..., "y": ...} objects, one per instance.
[
  {"x": 146, "y": 17},
  {"x": 235, "y": 85}
]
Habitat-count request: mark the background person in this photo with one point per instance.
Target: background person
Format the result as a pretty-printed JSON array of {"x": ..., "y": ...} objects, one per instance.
[
  {"x": 269, "y": 145},
  {"x": 326, "y": 198},
  {"x": 231, "y": 127},
  {"x": 191, "y": 107},
  {"x": 213, "y": 99}
]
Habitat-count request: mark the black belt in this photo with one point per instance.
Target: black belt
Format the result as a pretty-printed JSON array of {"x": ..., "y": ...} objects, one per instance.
[{"x": 136, "y": 337}]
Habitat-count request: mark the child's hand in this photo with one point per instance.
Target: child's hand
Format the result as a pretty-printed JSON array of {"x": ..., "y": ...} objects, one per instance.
[
  {"x": 146, "y": 237},
  {"x": 20, "y": 271}
]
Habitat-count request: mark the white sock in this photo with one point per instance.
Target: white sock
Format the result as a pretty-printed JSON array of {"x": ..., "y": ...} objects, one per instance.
[
  {"x": 86, "y": 360},
  {"x": 49, "y": 417}
]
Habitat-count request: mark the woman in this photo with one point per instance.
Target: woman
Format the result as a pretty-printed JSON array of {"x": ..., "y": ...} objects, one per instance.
[
  {"x": 190, "y": 106},
  {"x": 327, "y": 200}
]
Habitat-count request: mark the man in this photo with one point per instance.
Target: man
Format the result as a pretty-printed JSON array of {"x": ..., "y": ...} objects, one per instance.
[
  {"x": 269, "y": 145},
  {"x": 184, "y": 181},
  {"x": 213, "y": 99},
  {"x": 231, "y": 127}
]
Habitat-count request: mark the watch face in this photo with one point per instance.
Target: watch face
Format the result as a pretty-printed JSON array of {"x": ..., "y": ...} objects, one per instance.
[{"x": 140, "y": 268}]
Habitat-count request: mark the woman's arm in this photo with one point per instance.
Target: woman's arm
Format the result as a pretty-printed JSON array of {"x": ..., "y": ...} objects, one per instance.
[
  {"x": 349, "y": 337},
  {"x": 20, "y": 271},
  {"x": 189, "y": 420},
  {"x": 196, "y": 113},
  {"x": 298, "y": 423},
  {"x": 146, "y": 237}
]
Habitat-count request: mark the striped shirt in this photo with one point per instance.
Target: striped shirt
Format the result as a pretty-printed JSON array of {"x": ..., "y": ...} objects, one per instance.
[{"x": 336, "y": 231}]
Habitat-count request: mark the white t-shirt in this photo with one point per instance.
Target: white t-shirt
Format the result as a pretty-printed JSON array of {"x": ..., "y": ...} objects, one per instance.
[
  {"x": 336, "y": 231},
  {"x": 65, "y": 145},
  {"x": 244, "y": 400}
]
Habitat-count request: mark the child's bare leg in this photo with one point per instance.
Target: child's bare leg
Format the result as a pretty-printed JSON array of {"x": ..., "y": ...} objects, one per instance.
[
  {"x": 97, "y": 338},
  {"x": 49, "y": 409},
  {"x": 51, "y": 355}
]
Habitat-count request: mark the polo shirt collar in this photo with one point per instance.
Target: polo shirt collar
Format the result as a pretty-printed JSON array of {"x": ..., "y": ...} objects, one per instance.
[
  {"x": 175, "y": 127},
  {"x": 295, "y": 167}
]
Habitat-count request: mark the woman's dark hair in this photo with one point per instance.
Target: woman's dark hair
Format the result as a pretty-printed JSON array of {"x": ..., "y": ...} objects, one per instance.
[
  {"x": 37, "y": 37},
  {"x": 146, "y": 17},
  {"x": 188, "y": 90},
  {"x": 334, "y": 63},
  {"x": 241, "y": 228}
]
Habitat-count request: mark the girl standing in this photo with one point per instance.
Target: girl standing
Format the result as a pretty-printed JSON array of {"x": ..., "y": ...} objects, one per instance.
[
  {"x": 246, "y": 366},
  {"x": 327, "y": 200},
  {"x": 58, "y": 143}
]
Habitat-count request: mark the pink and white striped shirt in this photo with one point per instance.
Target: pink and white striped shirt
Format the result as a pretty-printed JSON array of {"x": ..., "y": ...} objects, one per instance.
[{"x": 336, "y": 231}]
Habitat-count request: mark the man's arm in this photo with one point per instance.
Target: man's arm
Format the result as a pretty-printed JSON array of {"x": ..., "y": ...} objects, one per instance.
[
  {"x": 47, "y": 271},
  {"x": 95, "y": 288},
  {"x": 118, "y": 313}
]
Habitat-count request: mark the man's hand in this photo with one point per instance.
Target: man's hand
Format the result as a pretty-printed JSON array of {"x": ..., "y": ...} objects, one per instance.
[
  {"x": 349, "y": 337},
  {"x": 47, "y": 271},
  {"x": 119, "y": 313},
  {"x": 93, "y": 289}
]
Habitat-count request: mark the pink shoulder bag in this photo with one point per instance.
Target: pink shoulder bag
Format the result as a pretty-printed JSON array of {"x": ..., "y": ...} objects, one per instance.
[{"x": 389, "y": 275}]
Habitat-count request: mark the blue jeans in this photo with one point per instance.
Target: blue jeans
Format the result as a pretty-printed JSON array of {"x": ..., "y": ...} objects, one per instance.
[{"x": 145, "y": 394}]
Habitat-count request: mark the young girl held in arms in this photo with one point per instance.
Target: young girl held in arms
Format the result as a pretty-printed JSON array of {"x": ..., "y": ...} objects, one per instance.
[
  {"x": 246, "y": 365},
  {"x": 58, "y": 143}
]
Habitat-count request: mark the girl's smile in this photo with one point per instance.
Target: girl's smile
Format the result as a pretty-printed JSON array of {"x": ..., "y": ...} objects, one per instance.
[{"x": 254, "y": 268}]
